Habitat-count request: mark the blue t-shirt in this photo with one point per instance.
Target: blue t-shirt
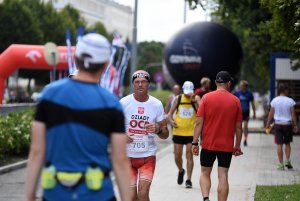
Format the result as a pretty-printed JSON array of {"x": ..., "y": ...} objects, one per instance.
[
  {"x": 245, "y": 99},
  {"x": 79, "y": 118}
]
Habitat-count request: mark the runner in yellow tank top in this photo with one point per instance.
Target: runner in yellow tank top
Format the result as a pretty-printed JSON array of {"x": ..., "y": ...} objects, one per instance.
[
  {"x": 183, "y": 129},
  {"x": 185, "y": 117}
]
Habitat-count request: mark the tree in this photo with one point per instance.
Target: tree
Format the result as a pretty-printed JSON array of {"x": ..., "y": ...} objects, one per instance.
[
  {"x": 150, "y": 56},
  {"x": 284, "y": 26},
  {"x": 18, "y": 25},
  {"x": 263, "y": 27},
  {"x": 72, "y": 20},
  {"x": 100, "y": 28}
]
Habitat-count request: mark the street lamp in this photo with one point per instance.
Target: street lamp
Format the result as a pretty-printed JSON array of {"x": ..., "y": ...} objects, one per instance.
[{"x": 134, "y": 43}]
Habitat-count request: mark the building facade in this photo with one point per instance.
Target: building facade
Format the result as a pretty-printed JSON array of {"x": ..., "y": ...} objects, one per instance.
[{"x": 115, "y": 17}]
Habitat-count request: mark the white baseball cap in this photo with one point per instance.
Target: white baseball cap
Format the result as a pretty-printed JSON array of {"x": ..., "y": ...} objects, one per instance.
[
  {"x": 188, "y": 87},
  {"x": 94, "y": 45}
]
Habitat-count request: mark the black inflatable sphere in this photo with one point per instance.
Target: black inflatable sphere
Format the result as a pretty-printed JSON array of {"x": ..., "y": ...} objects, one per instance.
[{"x": 201, "y": 49}]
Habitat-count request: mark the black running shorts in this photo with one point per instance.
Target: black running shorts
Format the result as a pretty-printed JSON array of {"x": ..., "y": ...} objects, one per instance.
[
  {"x": 246, "y": 115},
  {"x": 207, "y": 158},
  {"x": 283, "y": 134},
  {"x": 182, "y": 139}
]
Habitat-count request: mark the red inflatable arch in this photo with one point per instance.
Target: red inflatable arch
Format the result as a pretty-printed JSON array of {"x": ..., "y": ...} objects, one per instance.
[{"x": 27, "y": 57}]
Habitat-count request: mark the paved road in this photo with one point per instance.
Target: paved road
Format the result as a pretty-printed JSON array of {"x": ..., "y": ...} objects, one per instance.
[
  {"x": 12, "y": 184},
  {"x": 256, "y": 167}
]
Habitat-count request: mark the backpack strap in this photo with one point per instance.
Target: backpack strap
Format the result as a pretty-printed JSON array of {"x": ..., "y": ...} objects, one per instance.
[{"x": 179, "y": 102}]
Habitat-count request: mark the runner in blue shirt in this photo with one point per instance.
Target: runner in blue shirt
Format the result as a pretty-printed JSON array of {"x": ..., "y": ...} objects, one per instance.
[
  {"x": 78, "y": 134},
  {"x": 246, "y": 97}
]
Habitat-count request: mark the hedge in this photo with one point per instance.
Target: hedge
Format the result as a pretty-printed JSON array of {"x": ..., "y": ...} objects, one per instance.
[{"x": 15, "y": 131}]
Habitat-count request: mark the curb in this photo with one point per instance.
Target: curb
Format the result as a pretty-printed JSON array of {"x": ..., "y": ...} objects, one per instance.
[
  {"x": 14, "y": 166},
  {"x": 252, "y": 192}
]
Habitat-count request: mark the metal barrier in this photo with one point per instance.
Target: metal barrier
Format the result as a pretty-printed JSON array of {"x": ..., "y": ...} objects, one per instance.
[{"x": 16, "y": 107}]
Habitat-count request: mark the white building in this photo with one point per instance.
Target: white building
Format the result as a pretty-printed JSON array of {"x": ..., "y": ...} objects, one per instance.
[{"x": 114, "y": 16}]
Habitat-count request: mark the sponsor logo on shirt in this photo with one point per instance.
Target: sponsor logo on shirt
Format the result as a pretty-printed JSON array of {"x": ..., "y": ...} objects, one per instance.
[{"x": 141, "y": 110}]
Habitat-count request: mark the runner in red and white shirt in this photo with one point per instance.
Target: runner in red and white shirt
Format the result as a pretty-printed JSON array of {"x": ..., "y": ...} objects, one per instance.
[{"x": 144, "y": 120}]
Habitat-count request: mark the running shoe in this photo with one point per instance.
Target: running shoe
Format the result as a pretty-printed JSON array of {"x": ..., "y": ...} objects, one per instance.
[
  {"x": 188, "y": 184},
  {"x": 288, "y": 164},
  {"x": 280, "y": 166},
  {"x": 245, "y": 143},
  {"x": 180, "y": 177}
]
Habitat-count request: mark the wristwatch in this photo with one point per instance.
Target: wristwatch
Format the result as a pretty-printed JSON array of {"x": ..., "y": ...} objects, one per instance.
[
  {"x": 160, "y": 131},
  {"x": 195, "y": 143}
]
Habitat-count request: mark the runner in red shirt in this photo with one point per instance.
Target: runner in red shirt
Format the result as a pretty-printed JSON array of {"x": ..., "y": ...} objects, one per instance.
[{"x": 219, "y": 117}]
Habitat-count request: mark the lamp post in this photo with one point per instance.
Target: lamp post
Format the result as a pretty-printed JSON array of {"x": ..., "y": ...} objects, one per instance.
[
  {"x": 134, "y": 41},
  {"x": 184, "y": 12}
]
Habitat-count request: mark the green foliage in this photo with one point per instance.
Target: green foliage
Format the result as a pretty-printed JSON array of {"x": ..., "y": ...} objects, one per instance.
[
  {"x": 72, "y": 20},
  {"x": 284, "y": 26},
  {"x": 17, "y": 24},
  {"x": 149, "y": 52},
  {"x": 149, "y": 58},
  {"x": 37, "y": 22},
  {"x": 162, "y": 95},
  {"x": 263, "y": 27},
  {"x": 278, "y": 193},
  {"x": 15, "y": 130},
  {"x": 100, "y": 28}
]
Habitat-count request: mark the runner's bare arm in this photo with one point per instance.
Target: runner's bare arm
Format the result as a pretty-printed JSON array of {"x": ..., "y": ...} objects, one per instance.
[
  {"x": 171, "y": 112},
  {"x": 168, "y": 104},
  {"x": 163, "y": 131},
  {"x": 254, "y": 109},
  {"x": 160, "y": 128},
  {"x": 270, "y": 117},
  {"x": 198, "y": 129},
  {"x": 197, "y": 132},
  {"x": 197, "y": 101},
  {"x": 238, "y": 138},
  {"x": 294, "y": 118},
  {"x": 121, "y": 165},
  {"x": 36, "y": 159}
]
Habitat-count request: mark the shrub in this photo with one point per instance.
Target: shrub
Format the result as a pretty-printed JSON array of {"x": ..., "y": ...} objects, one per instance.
[{"x": 15, "y": 130}]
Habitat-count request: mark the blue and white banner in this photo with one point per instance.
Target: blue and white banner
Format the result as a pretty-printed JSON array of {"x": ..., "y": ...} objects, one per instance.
[{"x": 69, "y": 51}]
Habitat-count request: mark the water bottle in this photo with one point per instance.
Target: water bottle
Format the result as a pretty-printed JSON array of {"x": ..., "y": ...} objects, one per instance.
[
  {"x": 48, "y": 177},
  {"x": 94, "y": 177}
]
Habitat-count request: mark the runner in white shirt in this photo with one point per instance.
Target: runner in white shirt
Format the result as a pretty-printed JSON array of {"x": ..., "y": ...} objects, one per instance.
[
  {"x": 144, "y": 119},
  {"x": 285, "y": 123}
]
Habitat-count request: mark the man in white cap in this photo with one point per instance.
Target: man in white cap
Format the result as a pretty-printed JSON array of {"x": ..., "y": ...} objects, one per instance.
[
  {"x": 75, "y": 122},
  {"x": 183, "y": 129}
]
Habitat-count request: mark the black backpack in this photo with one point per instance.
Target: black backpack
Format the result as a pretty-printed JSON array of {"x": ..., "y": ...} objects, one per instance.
[{"x": 179, "y": 102}]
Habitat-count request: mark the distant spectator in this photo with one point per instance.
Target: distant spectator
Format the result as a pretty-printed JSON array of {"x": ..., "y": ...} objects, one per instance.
[
  {"x": 13, "y": 96},
  {"x": 205, "y": 87},
  {"x": 175, "y": 92}
]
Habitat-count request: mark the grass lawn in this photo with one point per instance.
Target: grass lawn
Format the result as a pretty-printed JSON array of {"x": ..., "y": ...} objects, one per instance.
[{"x": 278, "y": 193}]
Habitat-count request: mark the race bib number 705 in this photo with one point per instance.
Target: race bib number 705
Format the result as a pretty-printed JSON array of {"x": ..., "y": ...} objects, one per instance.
[{"x": 140, "y": 143}]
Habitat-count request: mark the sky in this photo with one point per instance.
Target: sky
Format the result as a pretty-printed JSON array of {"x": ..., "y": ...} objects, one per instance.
[{"x": 159, "y": 20}]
